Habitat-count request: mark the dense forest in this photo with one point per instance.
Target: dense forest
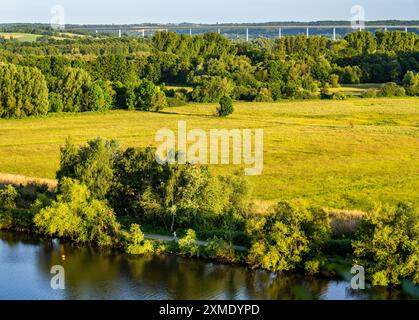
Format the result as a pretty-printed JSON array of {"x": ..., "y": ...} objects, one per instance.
[{"x": 85, "y": 74}]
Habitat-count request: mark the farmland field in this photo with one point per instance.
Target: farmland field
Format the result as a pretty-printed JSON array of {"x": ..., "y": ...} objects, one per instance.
[
  {"x": 22, "y": 37},
  {"x": 338, "y": 154},
  {"x": 29, "y": 37}
]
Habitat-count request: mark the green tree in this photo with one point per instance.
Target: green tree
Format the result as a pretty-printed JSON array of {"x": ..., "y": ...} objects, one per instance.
[
  {"x": 23, "y": 91},
  {"x": 77, "y": 216},
  {"x": 94, "y": 99},
  {"x": 91, "y": 164},
  {"x": 411, "y": 83},
  {"x": 387, "y": 244},
  {"x": 72, "y": 89},
  {"x": 226, "y": 107},
  {"x": 288, "y": 239},
  {"x": 149, "y": 97}
]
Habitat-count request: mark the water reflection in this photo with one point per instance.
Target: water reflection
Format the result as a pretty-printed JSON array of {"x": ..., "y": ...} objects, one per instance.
[{"x": 25, "y": 264}]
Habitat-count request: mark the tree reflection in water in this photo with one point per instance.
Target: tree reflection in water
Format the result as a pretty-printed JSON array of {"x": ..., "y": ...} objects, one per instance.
[{"x": 101, "y": 274}]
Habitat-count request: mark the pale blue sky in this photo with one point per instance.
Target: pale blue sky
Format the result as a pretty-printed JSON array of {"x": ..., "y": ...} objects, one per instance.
[{"x": 203, "y": 11}]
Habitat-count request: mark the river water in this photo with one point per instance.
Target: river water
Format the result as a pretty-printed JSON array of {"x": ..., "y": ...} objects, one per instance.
[{"x": 26, "y": 262}]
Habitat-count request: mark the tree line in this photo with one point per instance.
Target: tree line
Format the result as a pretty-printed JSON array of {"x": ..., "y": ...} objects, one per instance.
[{"x": 131, "y": 73}]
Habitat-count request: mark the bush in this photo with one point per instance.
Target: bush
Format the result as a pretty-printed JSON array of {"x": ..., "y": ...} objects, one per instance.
[
  {"x": 188, "y": 245},
  {"x": 16, "y": 220},
  {"x": 387, "y": 244},
  {"x": 264, "y": 95},
  {"x": 325, "y": 93},
  {"x": 339, "y": 96},
  {"x": 391, "y": 89},
  {"x": 8, "y": 197},
  {"x": 289, "y": 238},
  {"x": 220, "y": 250},
  {"x": 370, "y": 93},
  {"x": 135, "y": 242},
  {"x": 226, "y": 107}
]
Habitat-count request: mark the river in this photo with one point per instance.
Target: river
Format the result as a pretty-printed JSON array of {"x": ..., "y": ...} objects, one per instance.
[{"x": 25, "y": 265}]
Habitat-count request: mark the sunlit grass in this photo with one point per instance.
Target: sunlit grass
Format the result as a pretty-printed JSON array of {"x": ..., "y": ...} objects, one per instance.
[{"x": 338, "y": 154}]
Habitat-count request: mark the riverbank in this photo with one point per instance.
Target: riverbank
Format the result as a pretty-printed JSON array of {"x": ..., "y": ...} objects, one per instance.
[
  {"x": 294, "y": 238},
  {"x": 104, "y": 274}
]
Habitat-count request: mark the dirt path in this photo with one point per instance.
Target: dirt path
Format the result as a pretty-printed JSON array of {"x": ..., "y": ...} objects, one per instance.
[{"x": 167, "y": 238}]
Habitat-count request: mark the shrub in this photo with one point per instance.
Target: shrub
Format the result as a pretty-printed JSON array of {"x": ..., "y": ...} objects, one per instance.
[
  {"x": 264, "y": 95},
  {"x": 226, "y": 107},
  {"x": 8, "y": 197},
  {"x": 312, "y": 266},
  {"x": 16, "y": 220},
  {"x": 325, "y": 93},
  {"x": 370, "y": 93},
  {"x": 288, "y": 238},
  {"x": 188, "y": 245},
  {"x": 387, "y": 244},
  {"x": 391, "y": 89},
  {"x": 220, "y": 250},
  {"x": 135, "y": 242},
  {"x": 339, "y": 96}
]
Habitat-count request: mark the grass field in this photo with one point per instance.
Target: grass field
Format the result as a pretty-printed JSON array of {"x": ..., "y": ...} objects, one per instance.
[
  {"x": 28, "y": 37},
  {"x": 356, "y": 90},
  {"x": 338, "y": 154},
  {"x": 23, "y": 37}
]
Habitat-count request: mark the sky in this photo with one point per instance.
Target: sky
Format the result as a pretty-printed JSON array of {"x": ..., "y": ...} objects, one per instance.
[{"x": 202, "y": 11}]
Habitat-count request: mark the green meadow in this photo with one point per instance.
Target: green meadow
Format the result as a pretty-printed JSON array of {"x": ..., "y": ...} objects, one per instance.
[
  {"x": 22, "y": 37},
  {"x": 337, "y": 154}
]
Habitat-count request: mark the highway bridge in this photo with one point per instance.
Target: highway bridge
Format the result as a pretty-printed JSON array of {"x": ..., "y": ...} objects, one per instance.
[{"x": 247, "y": 32}]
